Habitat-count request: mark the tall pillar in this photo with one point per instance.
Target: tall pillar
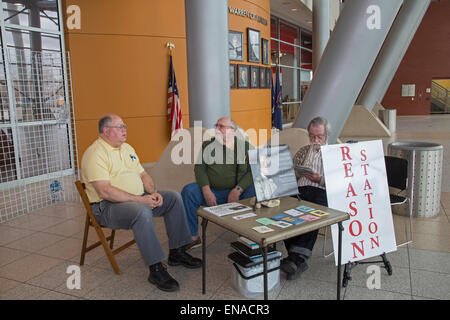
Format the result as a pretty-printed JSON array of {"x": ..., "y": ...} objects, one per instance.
[
  {"x": 351, "y": 51},
  {"x": 391, "y": 55},
  {"x": 207, "y": 57},
  {"x": 321, "y": 29}
]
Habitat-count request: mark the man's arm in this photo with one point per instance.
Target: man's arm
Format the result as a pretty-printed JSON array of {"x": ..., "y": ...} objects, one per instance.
[
  {"x": 148, "y": 183},
  {"x": 108, "y": 192}
]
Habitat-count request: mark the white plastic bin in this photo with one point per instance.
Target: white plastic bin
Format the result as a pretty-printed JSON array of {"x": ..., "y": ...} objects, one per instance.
[{"x": 254, "y": 286}]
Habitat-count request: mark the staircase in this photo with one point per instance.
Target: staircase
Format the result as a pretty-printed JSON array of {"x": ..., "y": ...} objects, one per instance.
[{"x": 440, "y": 98}]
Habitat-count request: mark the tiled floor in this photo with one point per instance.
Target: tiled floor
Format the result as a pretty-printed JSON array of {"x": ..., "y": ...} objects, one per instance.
[{"x": 36, "y": 250}]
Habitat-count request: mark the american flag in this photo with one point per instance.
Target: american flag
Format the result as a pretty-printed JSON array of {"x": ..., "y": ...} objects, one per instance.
[{"x": 173, "y": 102}]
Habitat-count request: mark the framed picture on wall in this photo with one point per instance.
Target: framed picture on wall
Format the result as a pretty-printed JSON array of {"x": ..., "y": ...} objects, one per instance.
[
  {"x": 235, "y": 43},
  {"x": 268, "y": 77},
  {"x": 265, "y": 51},
  {"x": 254, "y": 77},
  {"x": 232, "y": 75},
  {"x": 253, "y": 45},
  {"x": 262, "y": 77},
  {"x": 243, "y": 76}
]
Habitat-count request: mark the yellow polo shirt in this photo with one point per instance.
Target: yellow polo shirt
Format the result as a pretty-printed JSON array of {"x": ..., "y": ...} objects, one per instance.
[{"x": 119, "y": 166}]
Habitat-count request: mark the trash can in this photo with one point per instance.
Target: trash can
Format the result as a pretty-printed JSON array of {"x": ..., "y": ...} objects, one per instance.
[
  {"x": 389, "y": 118},
  {"x": 425, "y": 172}
]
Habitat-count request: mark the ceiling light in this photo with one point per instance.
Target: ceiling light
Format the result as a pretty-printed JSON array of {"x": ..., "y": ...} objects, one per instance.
[{"x": 294, "y": 9}]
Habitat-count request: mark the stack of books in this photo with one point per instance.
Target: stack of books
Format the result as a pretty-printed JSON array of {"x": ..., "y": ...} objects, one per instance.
[{"x": 247, "y": 253}]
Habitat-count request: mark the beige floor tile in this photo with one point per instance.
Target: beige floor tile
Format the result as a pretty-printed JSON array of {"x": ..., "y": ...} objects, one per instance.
[
  {"x": 430, "y": 242},
  {"x": 52, "y": 295},
  {"x": 91, "y": 278},
  {"x": 8, "y": 255},
  {"x": 67, "y": 228},
  {"x": 35, "y": 222},
  {"x": 27, "y": 267},
  {"x": 6, "y": 284},
  {"x": 35, "y": 242},
  {"x": 23, "y": 292},
  {"x": 53, "y": 277},
  {"x": 64, "y": 249}
]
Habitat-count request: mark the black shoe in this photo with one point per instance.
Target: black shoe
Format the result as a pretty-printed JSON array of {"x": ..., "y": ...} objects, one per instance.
[
  {"x": 288, "y": 266},
  {"x": 301, "y": 265},
  {"x": 293, "y": 267},
  {"x": 162, "y": 279},
  {"x": 180, "y": 256},
  {"x": 194, "y": 244}
]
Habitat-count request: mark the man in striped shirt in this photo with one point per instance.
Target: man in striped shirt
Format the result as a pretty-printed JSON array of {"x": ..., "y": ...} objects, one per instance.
[{"x": 311, "y": 187}]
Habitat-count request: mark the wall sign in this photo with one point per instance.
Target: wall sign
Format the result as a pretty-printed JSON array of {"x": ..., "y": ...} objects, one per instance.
[
  {"x": 245, "y": 13},
  {"x": 356, "y": 183}
]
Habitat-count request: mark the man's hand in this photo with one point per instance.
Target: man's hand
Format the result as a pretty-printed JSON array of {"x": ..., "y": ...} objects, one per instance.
[
  {"x": 209, "y": 196},
  {"x": 314, "y": 177},
  {"x": 234, "y": 195},
  {"x": 157, "y": 198}
]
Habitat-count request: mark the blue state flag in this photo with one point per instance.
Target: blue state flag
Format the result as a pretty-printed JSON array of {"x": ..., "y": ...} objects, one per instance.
[{"x": 276, "y": 103}]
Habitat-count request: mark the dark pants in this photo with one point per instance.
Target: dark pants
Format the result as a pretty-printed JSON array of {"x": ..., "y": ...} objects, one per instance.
[{"x": 303, "y": 244}]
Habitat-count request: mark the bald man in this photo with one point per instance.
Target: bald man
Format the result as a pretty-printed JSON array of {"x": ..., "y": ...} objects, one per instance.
[
  {"x": 221, "y": 177},
  {"x": 123, "y": 196}
]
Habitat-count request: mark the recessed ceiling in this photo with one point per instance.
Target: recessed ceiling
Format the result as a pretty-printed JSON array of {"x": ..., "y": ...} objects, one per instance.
[{"x": 293, "y": 11}]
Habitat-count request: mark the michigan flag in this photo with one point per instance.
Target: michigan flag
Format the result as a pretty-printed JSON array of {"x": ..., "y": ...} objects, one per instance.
[
  {"x": 173, "y": 102},
  {"x": 277, "y": 104}
]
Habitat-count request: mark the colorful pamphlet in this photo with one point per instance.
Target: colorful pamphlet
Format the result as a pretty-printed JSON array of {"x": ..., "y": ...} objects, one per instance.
[
  {"x": 264, "y": 221},
  {"x": 319, "y": 213},
  {"x": 309, "y": 217},
  {"x": 281, "y": 224},
  {"x": 304, "y": 209},
  {"x": 286, "y": 218},
  {"x": 262, "y": 229},
  {"x": 293, "y": 212}
]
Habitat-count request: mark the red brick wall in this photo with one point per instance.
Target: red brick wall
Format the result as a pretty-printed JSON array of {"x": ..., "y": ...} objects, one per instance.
[{"x": 427, "y": 58}]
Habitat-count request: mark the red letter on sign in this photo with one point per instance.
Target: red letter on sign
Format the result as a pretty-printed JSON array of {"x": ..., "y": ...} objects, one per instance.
[
  {"x": 351, "y": 228},
  {"x": 365, "y": 165},
  {"x": 360, "y": 249},
  {"x": 348, "y": 169},
  {"x": 350, "y": 189},
  {"x": 377, "y": 242},
  {"x": 353, "y": 208},
  {"x": 345, "y": 153},
  {"x": 363, "y": 153}
]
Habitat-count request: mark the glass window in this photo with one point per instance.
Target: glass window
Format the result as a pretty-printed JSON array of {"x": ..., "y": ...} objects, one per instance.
[
  {"x": 37, "y": 14},
  {"x": 291, "y": 50}
]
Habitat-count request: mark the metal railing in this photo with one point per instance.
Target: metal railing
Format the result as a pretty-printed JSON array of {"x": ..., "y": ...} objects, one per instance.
[{"x": 440, "y": 98}]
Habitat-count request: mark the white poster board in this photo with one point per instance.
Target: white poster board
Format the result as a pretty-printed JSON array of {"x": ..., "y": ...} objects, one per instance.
[{"x": 356, "y": 183}]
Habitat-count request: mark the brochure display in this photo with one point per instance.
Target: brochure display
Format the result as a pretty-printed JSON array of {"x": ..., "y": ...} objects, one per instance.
[{"x": 273, "y": 172}]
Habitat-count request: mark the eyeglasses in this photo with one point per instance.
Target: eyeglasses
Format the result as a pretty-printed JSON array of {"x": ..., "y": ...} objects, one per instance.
[
  {"x": 318, "y": 136},
  {"x": 120, "y": 127},
  {"x": 221, "y": 126}
]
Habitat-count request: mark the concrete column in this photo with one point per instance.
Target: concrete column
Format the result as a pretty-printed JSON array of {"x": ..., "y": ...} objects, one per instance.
[
  {"x": 207, "y": 57},
  {"x": 321, "y": 29},
  {"x": 351, "y": 51},
  {"x": 391, "y": 55}
]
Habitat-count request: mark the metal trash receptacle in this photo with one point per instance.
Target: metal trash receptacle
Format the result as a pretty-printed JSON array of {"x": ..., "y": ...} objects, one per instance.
[
  {"x": 426, "y": 174},
  {"x": 389, "y": 118}
]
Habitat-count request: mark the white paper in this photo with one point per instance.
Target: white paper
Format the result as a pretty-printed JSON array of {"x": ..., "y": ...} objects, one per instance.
[{"x": 227, "y": 208}]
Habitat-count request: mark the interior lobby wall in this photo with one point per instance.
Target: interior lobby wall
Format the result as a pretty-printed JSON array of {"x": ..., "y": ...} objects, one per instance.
[
  {"x": 120, "y": 64},
  {"x": 425, "y": 59}
]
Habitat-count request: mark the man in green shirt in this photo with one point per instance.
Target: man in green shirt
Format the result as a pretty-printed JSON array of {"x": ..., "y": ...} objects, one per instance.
[{"x": 223, "y": 175}]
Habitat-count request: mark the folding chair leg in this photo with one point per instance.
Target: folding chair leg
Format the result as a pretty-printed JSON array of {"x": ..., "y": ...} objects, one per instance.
[
  {"x": 108, "y": 251},
  {"x": 111, "y": 241},
  {"x": 410, "y": 227},
  {"x": 85, "y": 237}
]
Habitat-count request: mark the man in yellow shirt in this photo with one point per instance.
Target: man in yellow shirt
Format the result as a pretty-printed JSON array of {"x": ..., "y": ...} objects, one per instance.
[{"x": 123, "y": 196}]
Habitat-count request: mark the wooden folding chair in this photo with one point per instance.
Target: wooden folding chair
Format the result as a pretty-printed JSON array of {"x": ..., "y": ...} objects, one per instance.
[{"x": 92, "y": 221}]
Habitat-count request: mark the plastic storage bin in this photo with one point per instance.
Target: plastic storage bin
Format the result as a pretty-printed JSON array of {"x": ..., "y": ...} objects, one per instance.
[{"x": 255, "y": 285}]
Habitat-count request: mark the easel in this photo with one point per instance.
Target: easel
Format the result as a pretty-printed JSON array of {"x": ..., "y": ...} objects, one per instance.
[{"x": 348, "y": 268}]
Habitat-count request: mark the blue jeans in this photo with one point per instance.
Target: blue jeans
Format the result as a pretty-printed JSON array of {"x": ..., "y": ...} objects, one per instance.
[{"x": 193, "y": 198}]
